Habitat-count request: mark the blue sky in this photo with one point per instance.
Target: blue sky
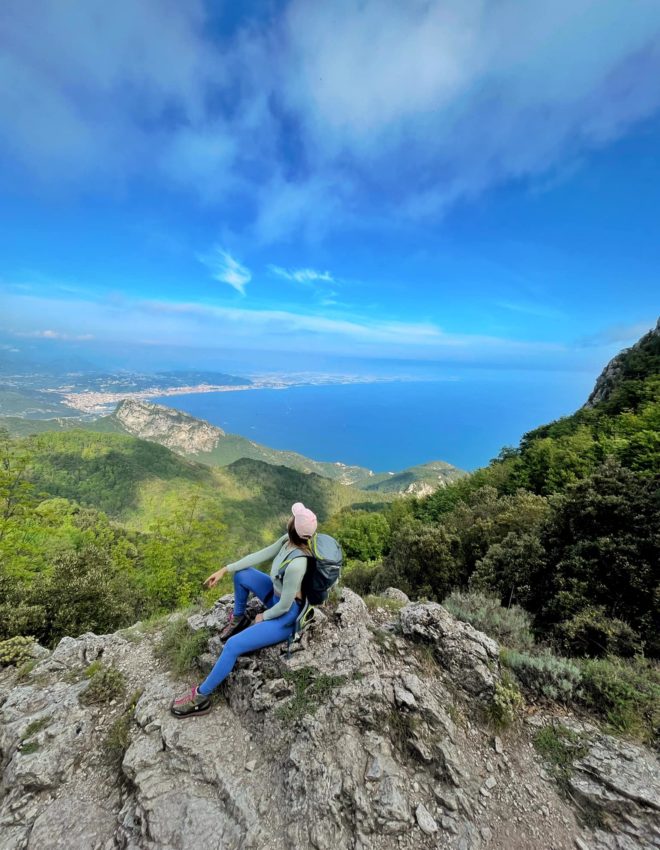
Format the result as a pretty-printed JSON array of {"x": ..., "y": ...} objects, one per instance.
[{"x": 331, "y": 185}]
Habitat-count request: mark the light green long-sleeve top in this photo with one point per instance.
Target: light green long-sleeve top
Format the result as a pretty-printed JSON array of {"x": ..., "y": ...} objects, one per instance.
[{"x": 293, "y": 575}]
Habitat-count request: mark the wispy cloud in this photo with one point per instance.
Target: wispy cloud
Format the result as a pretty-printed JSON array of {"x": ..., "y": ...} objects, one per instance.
[
  {"x": 226, "y": 269},
  {"x": 541, "y": 310},
  {"x": 618, "y": 334},
  {"x": 302, "y": 275},
  {"x": 52, "y": 334},
  {"x": 197, "y": 324}
]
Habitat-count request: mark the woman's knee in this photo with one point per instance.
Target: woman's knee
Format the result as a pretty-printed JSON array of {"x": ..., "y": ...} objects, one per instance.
[{"x": 233, "y": 647}]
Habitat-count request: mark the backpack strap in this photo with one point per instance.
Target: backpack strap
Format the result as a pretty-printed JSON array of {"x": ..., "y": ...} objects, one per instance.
[
  {"x": 303, "y": 620},
  {"x": 295, "y": 553}
]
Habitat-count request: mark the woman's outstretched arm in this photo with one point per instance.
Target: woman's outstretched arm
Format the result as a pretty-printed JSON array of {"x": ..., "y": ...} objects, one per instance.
[{"x": 256, "y": 558}]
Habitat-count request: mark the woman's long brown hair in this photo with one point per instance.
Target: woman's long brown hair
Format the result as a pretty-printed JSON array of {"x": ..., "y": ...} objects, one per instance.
[{"x": 298, "y": 541}]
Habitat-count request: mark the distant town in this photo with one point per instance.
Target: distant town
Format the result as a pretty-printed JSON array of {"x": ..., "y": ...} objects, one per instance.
[
  {"x": 98, "y": 403},
  {"x": 89, "y": 394}
]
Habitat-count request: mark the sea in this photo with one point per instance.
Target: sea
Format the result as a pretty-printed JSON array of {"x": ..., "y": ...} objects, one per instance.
[{"x": 390, "y": 425}]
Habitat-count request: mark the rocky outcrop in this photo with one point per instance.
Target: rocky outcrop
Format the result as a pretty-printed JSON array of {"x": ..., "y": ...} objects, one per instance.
[
  {"x": 367, "y": 737},
  {"x": 470, "y": 656},
  {"x": 171, "y": 428},
  {"x": 614, "y": 372},
  {"x": 616, "y": 785}
]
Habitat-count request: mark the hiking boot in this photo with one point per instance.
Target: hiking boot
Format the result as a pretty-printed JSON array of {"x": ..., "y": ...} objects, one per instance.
[
  {"x": 191, "y": 704},
  {"x": 235, "y": 625}
]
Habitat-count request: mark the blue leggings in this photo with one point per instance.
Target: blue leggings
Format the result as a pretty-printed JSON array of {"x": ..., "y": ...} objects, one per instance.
[{"x": 257, "y": 635}]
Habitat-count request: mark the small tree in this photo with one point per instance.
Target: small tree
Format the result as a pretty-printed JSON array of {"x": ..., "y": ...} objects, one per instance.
[
  {"x": 363, "y": 535},
  {"x": 603, "y": 552},
  {"x": 511, "y": 568},
  {"x": 86, "y": 591},
  {"x": 422, "y": 560},
  {"x": 180, "y": 552}
]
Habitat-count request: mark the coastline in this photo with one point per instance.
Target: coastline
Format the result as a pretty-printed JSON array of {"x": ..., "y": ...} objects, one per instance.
[{"x": 91, "y": 402}]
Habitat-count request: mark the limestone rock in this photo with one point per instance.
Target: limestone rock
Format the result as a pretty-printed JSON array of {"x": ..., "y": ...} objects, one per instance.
[
  {"x": 395, "y": 594},
  {"x": 425, "y": 820},
  {"x": 470, "y": 655},
  {"x": 612, "y": 374},
  {"x": 171, "y": 428},
  {"x": 346, "y": 745},
  {"x": 620, "y": 780}
]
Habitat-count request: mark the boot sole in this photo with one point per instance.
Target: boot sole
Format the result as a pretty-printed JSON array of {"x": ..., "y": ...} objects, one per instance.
[{"x": 191, "y": 713}]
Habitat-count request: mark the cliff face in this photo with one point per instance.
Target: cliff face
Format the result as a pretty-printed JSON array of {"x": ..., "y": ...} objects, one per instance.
[
  {"x": 177, "y": 431},
  {"x": 622, "y": 366},
  {"x": 372, "y": 736}
]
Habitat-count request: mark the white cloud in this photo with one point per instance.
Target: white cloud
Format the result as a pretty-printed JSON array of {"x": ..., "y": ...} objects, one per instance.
[
  {"x": 225, "y": 269},
  {"x": 323, "y": 114},
  {"x": 433, "y": 102},
  {"x": 305, "y": 275}
]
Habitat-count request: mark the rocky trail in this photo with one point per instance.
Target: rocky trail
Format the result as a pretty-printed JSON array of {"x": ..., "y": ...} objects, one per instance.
[{"x": 373, "y": 735}]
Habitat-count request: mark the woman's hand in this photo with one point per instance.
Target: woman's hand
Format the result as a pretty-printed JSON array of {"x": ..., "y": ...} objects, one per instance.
[
  {"x": 215, "y": 577},
  {"x": 259, "y": 618}
]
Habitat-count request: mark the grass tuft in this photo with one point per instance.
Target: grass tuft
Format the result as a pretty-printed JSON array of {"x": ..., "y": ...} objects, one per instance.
[
  {"x": 105, "y": 684},
  {"x": 372, "y": 601},
  {"x": 310, "y": 691},
  {"x": 180, "y": 647},
  {"x": 35, "y": 727},
  {"x": 560, "y": 747}
]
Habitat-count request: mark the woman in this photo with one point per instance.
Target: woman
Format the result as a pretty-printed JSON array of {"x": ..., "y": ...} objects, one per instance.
[{"x": 282, "y": 598}]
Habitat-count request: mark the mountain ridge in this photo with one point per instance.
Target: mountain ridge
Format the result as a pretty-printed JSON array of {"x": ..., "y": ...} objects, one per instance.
[{"x": 210, "y": 445}]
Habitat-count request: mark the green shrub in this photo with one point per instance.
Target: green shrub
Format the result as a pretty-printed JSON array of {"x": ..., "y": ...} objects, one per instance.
[
  {"x": 118, "y": 737},
  {"x": 362, "y": 576},
  {"x": 16, "y": 651},
  {"x": 23, "y": 672},
  {"x": 592, "y": 632},
  {"x": 626, "y": 693},
  {"x": 510, "y": 626},
  {"x": 117, "y": 740},
  {"x": 94, "y": 668},
  {"x": 363, "y": 535},
  {"x": 422, "y": 560},
  {"x": 180, "y": 647},
  {"x": 545, "y": 676},
  {"x": 105, "y": 684},
  {"x": 506, "y": 702}
]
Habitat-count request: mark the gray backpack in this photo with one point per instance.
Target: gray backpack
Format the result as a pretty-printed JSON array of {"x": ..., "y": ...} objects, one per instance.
[{"x": 322, "y": 573}]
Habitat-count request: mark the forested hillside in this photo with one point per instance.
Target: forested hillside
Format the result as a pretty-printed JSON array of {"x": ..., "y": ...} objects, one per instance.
[
  {"x": 97, "y": 530},
  {"x": 567, "y": 524},
  {"x": 205, "y": 443}
]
